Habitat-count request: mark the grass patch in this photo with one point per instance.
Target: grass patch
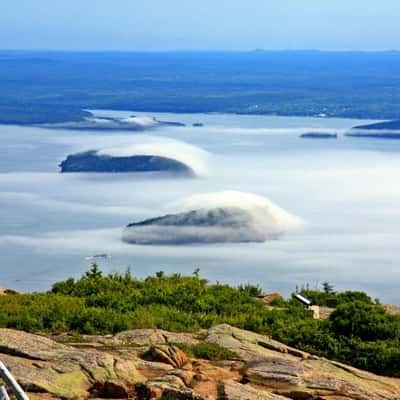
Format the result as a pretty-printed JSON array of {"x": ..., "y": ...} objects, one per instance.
[{"x": 207, "y": 351}]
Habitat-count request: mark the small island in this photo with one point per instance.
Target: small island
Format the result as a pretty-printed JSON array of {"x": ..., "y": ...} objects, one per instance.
[
  {"x": 131, "y": 123},
  {"x": 92, "y": 161},
  {"x": 216, "y": 224},
  {"x": 171, "y": 123},
  {"x": 319, "y": 135}
]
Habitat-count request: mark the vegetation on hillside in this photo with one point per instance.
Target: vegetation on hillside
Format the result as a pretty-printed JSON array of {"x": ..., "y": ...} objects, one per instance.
[
  {"x": 328, "y": 297},
  {"x": 359, "y": 332},
  {"x": 54, "y": 86},
  {"x": 30, "y": 114}
]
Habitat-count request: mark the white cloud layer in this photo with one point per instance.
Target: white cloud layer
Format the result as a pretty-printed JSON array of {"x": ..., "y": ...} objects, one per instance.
[
  {"x": 346, "y": 191},
  {"x": 249, "y": 218},
  {"x": 117, "y": 145}
]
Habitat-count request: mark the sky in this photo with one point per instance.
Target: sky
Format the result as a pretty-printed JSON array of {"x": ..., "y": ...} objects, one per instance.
[{"x": 150, "y": 25}]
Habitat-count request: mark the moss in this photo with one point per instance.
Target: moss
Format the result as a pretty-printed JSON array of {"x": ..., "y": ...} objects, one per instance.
[
  {"x": 73, "y": 384},
  {"x": 73, "y": 338}
]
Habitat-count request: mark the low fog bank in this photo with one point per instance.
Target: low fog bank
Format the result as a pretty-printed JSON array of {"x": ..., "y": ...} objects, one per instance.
[
  {"x": 346, "y": 193},
  {"x": 221, "y": 217},
  {"x": 108, "y": 123},
  {"x": 142, "y": 145}
]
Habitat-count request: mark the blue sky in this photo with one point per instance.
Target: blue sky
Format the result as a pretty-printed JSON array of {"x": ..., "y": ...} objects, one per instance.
[{"x": 200, "y": 24}]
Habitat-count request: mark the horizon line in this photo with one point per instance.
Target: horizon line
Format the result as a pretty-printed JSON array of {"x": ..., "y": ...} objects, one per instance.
[{"x": 256, "y": 50}]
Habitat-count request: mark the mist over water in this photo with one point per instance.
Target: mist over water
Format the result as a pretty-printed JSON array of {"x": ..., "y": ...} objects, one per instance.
[{"x": 344, "y": 190}]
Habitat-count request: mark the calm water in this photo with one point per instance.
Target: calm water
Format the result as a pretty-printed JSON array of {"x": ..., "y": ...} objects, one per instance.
[{"x": 346, "y": 191}]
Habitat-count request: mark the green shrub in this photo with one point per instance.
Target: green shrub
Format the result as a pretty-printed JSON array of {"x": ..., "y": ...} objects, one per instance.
[
  {"x": 358, "y": 332},
  {"x": 208, "y": 351},
  {"x": 212, "y": 352}
]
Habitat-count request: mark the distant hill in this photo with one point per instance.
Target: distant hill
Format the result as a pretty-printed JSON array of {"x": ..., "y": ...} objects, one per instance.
[
  {"x": 386, "y": 125},
  {"x": 40, "y": 87},
  {"x": 32, "y": 113}
]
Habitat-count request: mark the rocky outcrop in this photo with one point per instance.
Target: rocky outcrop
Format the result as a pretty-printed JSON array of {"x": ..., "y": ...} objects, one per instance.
[
  {"x": 325, "y": 312},
  {"x": 232, "y": 390},
  {"x": 154, "y": 336},
  {"x": 43, "y": 365},
  {"x": 7, "y": 291},
  {"x": 167, "y": 387},
  {"x": 269, "y": 297},
  {"x": 264, "y": 369},
  {"x": 294, "y": 374},
  {"x": 92, "y": 161},
  {"x": 170, "y": 355},
  {"x": 392, "y": 309}
]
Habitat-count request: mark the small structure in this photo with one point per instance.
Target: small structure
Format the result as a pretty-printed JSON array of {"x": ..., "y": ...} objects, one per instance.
[
  {"x": 303, "y": 300},
  {"x": 325, "y": 312},
  {"x": 316, "y": 311},
  {"x": 308, "y": 304}
]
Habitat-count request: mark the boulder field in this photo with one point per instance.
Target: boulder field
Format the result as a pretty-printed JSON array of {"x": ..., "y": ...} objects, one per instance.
[{"x": 152, "y": 364}]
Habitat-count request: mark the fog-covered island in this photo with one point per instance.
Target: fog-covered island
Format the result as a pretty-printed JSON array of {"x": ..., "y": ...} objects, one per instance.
[
  {"x": 224, "y": 217},
  {"x": 218, "y": 225},
  {"x": 92, "y": 161},
  {"x": 140, "y": 153},
  {"x": 131, "y": 123}
]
